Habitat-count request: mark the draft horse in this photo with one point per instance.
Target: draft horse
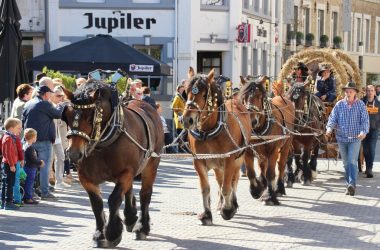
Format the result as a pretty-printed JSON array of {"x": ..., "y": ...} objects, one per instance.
[
  {"x": 215, "y": 127},
  {"x": 114, "y": 142},
  {"x": 310, "y": 121},
  {"x": 270, "y": 119}
]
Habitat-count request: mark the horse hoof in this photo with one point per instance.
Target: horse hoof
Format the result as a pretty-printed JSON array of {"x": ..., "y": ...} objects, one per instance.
[
  {"x": 103, "y": 243},
  {"x": 227, "y": 214},
  {"x": 271, "y": 202},
  {"x": 140, "y": 236},
  {"x": 206, "y": 222},
  {"x": 289, "y": 184},
  {"x": 256, "y": 192},
  {"x": 279, "y": 194},
  {"x": 206, "y": 218},
  {"x": 130, "y": 227}
]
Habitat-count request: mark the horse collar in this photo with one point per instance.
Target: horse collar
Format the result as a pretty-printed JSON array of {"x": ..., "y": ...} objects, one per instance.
[{"x": 204, "y": 135}]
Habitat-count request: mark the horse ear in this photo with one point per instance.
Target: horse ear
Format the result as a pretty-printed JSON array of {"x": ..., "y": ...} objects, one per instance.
[
  {"x": 68, "y": 94},
  {"x": 211, "y": 75},
  {"x": 242, "y": 81},
  {"x": 190, "y": 73}
]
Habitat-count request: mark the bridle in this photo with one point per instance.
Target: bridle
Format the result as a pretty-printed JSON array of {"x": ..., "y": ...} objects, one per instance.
[
  {"x": 211, "y": 102},
  {"x": 267, "y": 108}
]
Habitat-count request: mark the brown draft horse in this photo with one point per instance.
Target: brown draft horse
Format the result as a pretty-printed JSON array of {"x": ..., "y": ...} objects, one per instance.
[
  {"x": 114, "y": 144},
  {"x": 268, "y": 118},
  {"x": 310, "y": 119},
  {"x": 215, "y": 127}
]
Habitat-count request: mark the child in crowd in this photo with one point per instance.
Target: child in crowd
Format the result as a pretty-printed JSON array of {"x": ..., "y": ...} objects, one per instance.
[
  {"x": 19, "y": 165},
  {"x": 32, "y": 162},
  {"x": 10, "y": 158}
]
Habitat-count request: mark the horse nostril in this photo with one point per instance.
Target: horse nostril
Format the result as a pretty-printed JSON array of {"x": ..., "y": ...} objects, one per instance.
[
  {"x": 191, "y": 121},
  {"x": 75, "y": 156}
]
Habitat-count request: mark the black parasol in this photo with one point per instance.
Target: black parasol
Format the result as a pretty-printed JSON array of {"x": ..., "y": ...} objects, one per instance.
[{"x": 12, "y": 68}]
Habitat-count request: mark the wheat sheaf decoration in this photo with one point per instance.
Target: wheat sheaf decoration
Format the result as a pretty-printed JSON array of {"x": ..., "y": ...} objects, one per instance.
[{"x": 322, "y": 56}]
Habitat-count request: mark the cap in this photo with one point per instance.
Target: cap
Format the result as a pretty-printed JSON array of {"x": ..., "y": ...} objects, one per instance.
[
  {"x": 58, "y": 90},
  {"x": 324, "y": 67},
  {"x": 351, "y": 85}
]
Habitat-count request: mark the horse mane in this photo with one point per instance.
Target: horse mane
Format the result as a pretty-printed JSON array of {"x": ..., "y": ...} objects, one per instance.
[
  {"x": 202, "y": 84},
  {"x": 83, "y": 95},
  {"x": 251, "y": 86},
  {"x": 296, "y": 85}
]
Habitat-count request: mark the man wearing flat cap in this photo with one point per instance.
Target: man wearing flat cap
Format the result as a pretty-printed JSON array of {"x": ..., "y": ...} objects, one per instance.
[
  {"x": 349, "y": 118},
  {"x": 39, "y": 114},
  {"x": 326, "y": 84}
]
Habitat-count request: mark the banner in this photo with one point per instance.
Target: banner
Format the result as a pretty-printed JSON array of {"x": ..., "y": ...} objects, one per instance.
[{"x": 244, "y": 33}]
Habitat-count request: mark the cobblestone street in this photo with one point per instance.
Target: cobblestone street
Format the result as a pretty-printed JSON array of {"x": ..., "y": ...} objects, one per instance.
[{"x": 317, "y": 216}]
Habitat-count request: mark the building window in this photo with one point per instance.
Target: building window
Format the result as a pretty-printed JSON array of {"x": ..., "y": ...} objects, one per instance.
[
  {"x": 334, "y": 24},
  {"x": 146, "y": 1},
  {"x": 295, "y": 18},
  {"x": 367, "y": 35},
  {"x": 277, "y": 7},
  {"x": 264, "y": 63},
  {"x": 255, "y": 63},
  {"x": 214, "y": 2},
  {"x": 257, "y": 5},
  {"x": 266, "y": 7},
  {"x": 91, "y": 1},
  {"x": 378, "y": 38},
  {"x": 358, "y": 33},
  {"x": 244, "y": 61},
  {"x": 307, "y": 20},
  {"x": 246, "y": 4},
  {"x": 208, "y": 61},
  {"x": 321, "y": 24},
  {"x": 153, "y": 50}
]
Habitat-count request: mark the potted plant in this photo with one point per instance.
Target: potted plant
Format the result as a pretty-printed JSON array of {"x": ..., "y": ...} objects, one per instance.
[
  {"x": 299, "y": 37},
  {"x": 323, "y": 41},
  {"x": 337, "y": 41},
  {"x": 309, "y": 39},
  {"x": 291, "y": 35}
]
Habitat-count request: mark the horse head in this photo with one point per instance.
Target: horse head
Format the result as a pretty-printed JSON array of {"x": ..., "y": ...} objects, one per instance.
[
  {"x": 87, "y": 116},
  {"x": 298, "y": 94},
  {"x": 253, "y": 95},
  {"x": 203, "y": 99}
]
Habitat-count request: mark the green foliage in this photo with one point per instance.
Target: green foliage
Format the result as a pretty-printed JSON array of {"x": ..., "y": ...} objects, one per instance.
[
  {"x": 299, "y": 37},
  {"x": 371, "y": 79},
  {"x": 67, "y": 80},
  {"x": 337, "y": 40},
  {"x": 324, "y": 39},
  {"x": 309, "y": 37}
]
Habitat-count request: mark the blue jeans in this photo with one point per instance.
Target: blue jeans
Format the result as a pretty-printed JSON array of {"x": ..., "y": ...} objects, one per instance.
[
  {"x": 350, "y": 153},
  {"x": 16, "y": 187},
  {"x": 44, "y": 149},
  {"x": 30, "y": 176},
  {"x": 369, "y": 148}
]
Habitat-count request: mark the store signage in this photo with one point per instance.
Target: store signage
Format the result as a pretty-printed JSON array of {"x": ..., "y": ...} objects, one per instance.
[
  {"x": 120, "y": 20},
  {"x": 244, "y": 33},
  {"x": 141, "y": 68}
]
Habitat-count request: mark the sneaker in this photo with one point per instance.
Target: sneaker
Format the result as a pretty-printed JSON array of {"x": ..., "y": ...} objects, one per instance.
[
  {"x": 49, "y": 196},
  {"x": 31, "y": 202},
  {"x": 11, "y": 206},
  {"x": 351, "y": 190},
  {"x": 19, "y": 204},
  {"x": 369, "y": 173},
  {"x": 51, "y": 189},
  {"x": 62, "y": 185},
  {"x": 36, "y": 197}
]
